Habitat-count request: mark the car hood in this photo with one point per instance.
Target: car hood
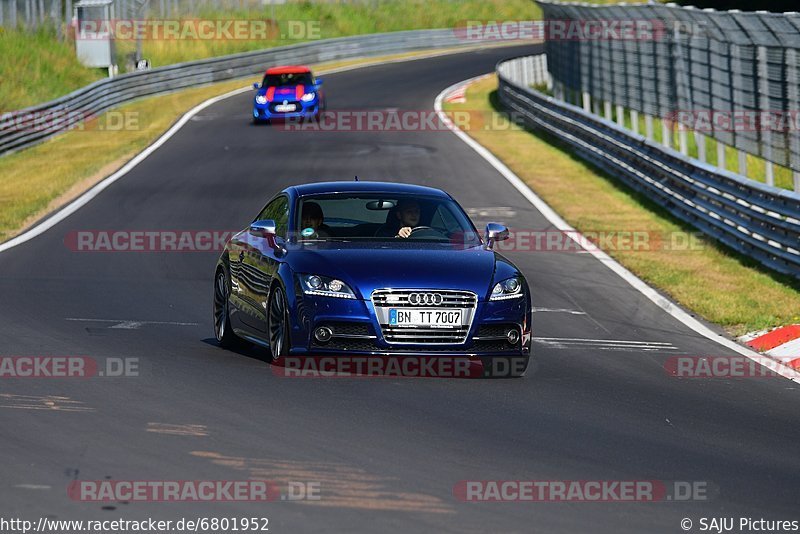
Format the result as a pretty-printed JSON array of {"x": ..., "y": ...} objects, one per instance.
[
  {"x": 286, "y": 92},
  {"x": 376, "y": 266}
]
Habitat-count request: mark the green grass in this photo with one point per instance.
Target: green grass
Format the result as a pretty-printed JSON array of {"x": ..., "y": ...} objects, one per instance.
[
  {"x": 711, "y": 280},
  {"x": 37, "y": 67}
]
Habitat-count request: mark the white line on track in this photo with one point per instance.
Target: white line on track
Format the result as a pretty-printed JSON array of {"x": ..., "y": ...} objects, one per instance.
[
  {"x": 557, "y": 310},
  {"x": 128, "y": 324},
  {"x": 560, "y": 224},
  {"x": 604, "y": 344}
]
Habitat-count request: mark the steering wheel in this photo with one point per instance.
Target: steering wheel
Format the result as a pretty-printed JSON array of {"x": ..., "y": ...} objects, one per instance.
[{"x": 419, "y": 228}]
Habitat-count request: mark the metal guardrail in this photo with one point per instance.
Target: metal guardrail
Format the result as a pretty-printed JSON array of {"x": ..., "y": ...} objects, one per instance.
[
  {"x": 24, "y": 128},
  {"x": 755, "y": 219}
]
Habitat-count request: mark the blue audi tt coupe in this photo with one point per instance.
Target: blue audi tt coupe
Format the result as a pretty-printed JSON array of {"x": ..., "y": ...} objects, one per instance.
[{"x": 372, "y": 268}]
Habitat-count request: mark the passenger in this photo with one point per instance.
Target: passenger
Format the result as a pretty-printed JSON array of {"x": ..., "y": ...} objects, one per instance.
[{"x": 313, "y": 218}]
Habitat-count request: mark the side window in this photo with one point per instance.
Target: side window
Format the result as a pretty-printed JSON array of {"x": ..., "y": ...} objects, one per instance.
[{"x": 278, "y": 211}]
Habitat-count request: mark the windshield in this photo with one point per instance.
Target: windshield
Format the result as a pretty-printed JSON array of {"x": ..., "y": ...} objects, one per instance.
[
  {"x": 277, "y": 80},
  {"x": 383, "y": 217}
]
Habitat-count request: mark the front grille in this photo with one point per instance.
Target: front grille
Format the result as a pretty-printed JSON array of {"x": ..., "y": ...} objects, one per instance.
[
  {"x": 394, "y": 334},
  {"x": 385, "y": 299},
  {"x": 346, "y": 343},
  {"x": 492, "y": 338},
  {"x": 494, "y": 346},
  {"x": 398, "y": 298},
  {"x": 347, "y": 335},
  {"x": 495, "y": 331},
  {"x": 348, "y": 328}
]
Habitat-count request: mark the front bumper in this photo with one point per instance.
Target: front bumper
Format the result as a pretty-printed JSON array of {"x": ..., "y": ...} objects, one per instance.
[
  {"x": 302, "y": 110},
  {"x": 356, "y": 330}
]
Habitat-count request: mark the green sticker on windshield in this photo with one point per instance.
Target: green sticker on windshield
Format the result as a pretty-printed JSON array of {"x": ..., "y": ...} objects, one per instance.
[{"x": 307, "y": 232}]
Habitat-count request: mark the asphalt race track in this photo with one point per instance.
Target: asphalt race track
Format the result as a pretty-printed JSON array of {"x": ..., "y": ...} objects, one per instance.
[{"x": 387, "y": 453}]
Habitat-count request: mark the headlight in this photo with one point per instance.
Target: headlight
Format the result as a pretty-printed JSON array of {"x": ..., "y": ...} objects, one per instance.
[
  {"x": 325, "y": 286},
  {"x": 308, "y": 97},
  {"x": 507, "y": 289},
  {"x": 261, "y": 99}
]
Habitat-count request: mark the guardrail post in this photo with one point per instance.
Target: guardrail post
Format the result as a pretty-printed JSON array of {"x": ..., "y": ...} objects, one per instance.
[
  {"x": 648, "y": 127},
  {"x": 742, "y": 162},
  {"x": 764, "y": 104},
  {"x": 607, "y": 109},
  {"x": 769, "y": 176},
  {"x": 635, "y": 121},
  {"x": 587, "y": 102},
  {"x": 796, "y": 180},
  {"x": 666, "y": 133},
  {"x": 683, "y": 141},
  {"x": 620, "y": 115},
  {"x": 700, "y": 140},
  {"x": 721, "y": 155}
]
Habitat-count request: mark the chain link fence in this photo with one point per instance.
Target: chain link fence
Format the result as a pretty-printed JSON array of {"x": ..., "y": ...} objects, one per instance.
[
  {"x": 731, "y": 76},
  {"x": 757, "y": 220}
]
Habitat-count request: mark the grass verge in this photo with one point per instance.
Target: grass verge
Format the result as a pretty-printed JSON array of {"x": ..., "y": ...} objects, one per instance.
[
  {"x": 45, "y": 177},
  {"x": 37, "y": 67},
  {"x": 712, "y": 281}
]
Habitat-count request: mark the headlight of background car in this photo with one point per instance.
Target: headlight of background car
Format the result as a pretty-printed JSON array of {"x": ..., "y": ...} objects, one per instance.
[
  {"x": 325, "y": 286},
  {"x": 308, "y": 97},
  {"x": 261, "y": 99},
  {"x": 510, "y": 288}
]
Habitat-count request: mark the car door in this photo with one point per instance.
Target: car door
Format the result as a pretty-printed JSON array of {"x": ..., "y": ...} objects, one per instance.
[{"x": 263, "y": 257}]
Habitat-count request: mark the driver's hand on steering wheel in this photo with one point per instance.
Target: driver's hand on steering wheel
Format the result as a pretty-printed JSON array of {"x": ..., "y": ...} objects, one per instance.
[{"x": 404, "y": 232}]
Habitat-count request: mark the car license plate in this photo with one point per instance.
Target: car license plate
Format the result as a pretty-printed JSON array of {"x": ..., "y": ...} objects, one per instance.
[
  {"x": 428, "y": 317},
  {"x": 282, "y": 108}
]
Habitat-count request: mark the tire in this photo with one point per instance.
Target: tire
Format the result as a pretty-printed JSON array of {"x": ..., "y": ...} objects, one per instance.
[
  {"x": 278, "y": 324},
  {"x": 222, "y": 330},
  {"x": 506, "y": 366}
]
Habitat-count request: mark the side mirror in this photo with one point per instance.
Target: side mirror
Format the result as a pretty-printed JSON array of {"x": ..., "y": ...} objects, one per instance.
[
  {"x": 319, "y": 82},
  {"x": 256, "y": 85},
  {"x": 495, "y": 232},
  {"x": 265, "y": 228}
]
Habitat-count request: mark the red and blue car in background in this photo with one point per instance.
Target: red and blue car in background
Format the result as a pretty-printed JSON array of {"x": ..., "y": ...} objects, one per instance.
[{"x": 288, "y": 92}]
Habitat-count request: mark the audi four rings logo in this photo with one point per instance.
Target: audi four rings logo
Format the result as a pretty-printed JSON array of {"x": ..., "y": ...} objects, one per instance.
[{"x": 425, "y": 299}]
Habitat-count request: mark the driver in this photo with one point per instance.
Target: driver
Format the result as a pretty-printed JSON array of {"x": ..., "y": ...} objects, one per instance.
[{"x": 408, "y": 214}]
